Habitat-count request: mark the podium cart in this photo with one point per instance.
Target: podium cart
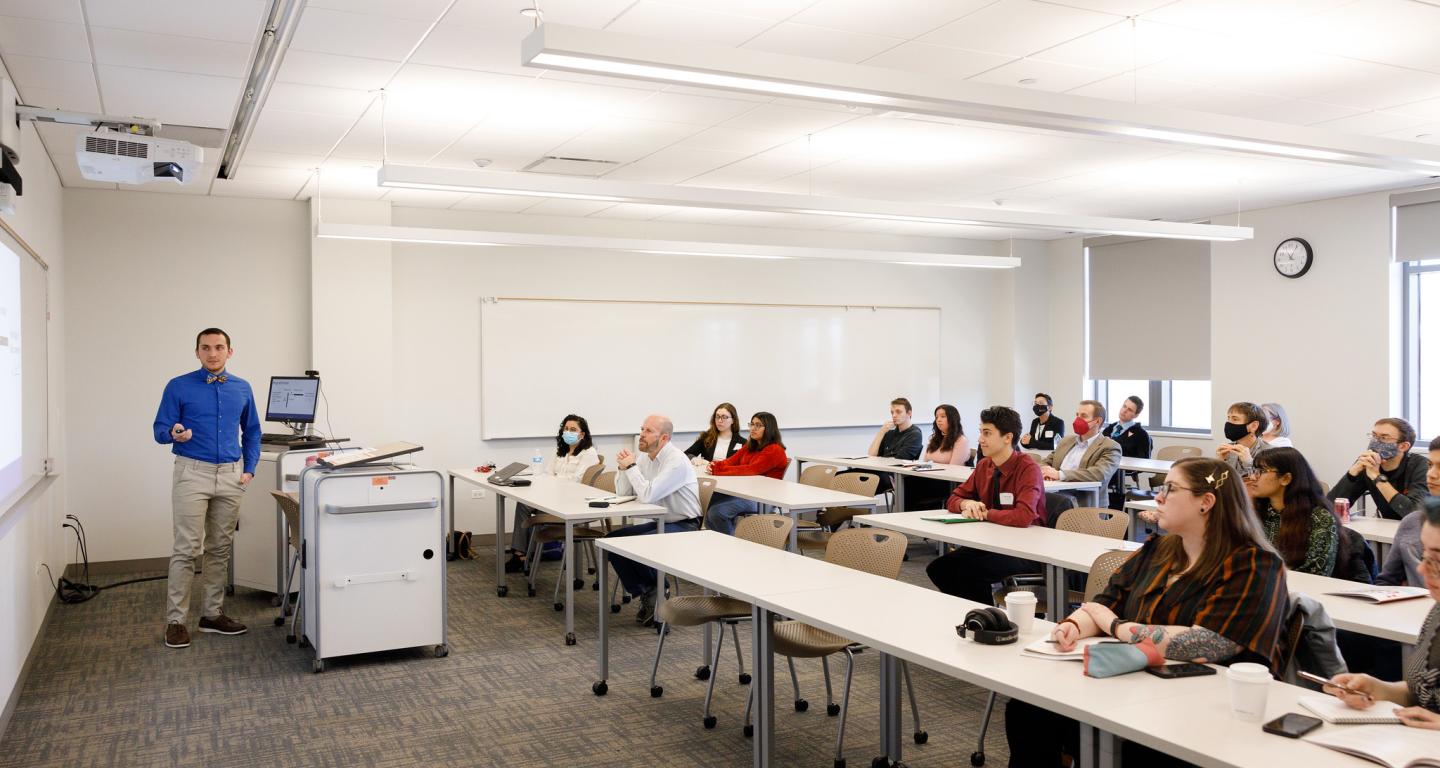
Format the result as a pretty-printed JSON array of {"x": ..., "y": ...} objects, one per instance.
[{"x": 373, "y": 559}]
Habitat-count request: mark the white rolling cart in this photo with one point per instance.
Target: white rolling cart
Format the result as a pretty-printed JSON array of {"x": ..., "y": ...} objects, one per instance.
[{"x": 373, "y": 562}]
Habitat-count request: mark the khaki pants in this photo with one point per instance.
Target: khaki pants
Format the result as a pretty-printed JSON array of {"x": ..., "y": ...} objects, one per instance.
[{"x": 206, "y": 500}]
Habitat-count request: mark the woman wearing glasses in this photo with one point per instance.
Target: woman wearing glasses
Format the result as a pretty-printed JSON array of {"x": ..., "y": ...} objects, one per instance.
[
  {"x": 1419, "y": 692},
  {"x": 1212, "y": 589},
  {"x": 721, "y": 440},
  {"x": 762, "y": 454},
  {"x": 1299, "y": 521}
]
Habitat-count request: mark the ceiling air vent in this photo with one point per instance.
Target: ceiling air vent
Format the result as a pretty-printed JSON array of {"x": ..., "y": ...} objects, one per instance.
[
  {"x": 571, "y": 166},
  {"x": 117, "y": 147}
]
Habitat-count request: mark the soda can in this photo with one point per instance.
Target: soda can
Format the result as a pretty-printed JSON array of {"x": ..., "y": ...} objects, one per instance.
[{"x": 1342, "y": 509}]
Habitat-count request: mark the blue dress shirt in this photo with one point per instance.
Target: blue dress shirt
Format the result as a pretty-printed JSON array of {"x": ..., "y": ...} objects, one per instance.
[{"x": 220, "y": 415}]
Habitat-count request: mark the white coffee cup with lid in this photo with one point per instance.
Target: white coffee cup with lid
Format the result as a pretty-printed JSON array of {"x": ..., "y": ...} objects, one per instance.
[
  {"x": 1020, "y": 607},
  {"x": 1249, "y": 690}
]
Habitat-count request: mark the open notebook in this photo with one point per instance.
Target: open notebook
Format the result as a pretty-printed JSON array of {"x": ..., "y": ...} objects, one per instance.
[
  {"x": 1383, "y": 594},
  {"x": 1044, "y": 649},
  {"x": 1333, "y": 710},
  {"x": 1384, "y": 744}
]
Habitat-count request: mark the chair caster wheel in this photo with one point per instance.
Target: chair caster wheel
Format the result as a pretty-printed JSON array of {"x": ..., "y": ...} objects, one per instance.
[
  {"x": 744, "y": 678},
  {"x": 656, "y": 691},
  {"x": 569, "y": 638},
  {"x": 801, "y": 705},
  {"x": 279, "y": 621},
  {"x": 594, "y": 586},
  {"x": 880, "y": 762},
  {"x": 599, "y": 688},
  {"x": 625, "y": 599},
  {"x": 702, "y": 673},
  {"x": 614, "y": 608},
  {"x": 709, "y": 722},
  {"x": 290, "y": 639},
  {"x": 590, "y": 571},
  {"x": 922, "y": 736},
  {"x": 559, "y": 606},
  {"x": 530, "y": 591},
  {"x": 441, "y": 651},
  {"x": 749, "y": 731},
  {"x": 502, "y": 590},
  {"x": 230, "y": 590},
  {"x": 977, "y": 759},
  {"x": 907, "y": 557},
  {"x": 839, "y": 764},
  {"x": 289, "y": 610},
  {"x": 832, "y": 709},
  {"x": 579, "y": 583},
  {"x": 275, "y": 602},
  {"x": 317, "y": 666}
]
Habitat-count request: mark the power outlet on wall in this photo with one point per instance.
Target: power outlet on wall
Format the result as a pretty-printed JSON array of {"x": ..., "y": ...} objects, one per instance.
[{"x": 477, "y": 493}]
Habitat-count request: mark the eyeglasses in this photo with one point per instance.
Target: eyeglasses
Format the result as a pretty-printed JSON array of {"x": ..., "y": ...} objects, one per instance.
[
  {"x": 1430, "y": 562},
  {"x": 1254, "y": 473},
  {"x": 754, "y": 424},
  {"x": 723, "y": 417},
  {"x": 1382, "y": 438},
  {"x": 1167, "y": 488}
]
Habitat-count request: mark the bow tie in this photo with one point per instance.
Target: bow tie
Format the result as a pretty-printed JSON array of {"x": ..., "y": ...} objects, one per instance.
[{"x": 211, "y": 378}]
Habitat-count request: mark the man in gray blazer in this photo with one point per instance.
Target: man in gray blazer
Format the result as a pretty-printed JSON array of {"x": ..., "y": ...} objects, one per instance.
[{"x": 1086, "y": 455}]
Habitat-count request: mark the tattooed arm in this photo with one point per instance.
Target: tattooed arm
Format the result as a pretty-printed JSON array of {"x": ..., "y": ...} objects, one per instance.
[{"x": 1175, "y": 642}]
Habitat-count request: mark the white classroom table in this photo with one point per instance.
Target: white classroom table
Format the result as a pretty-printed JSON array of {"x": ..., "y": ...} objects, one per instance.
[
  {"x": 905, "y": 622},
  {"x": 564, "y": 499},
  {"x": 1134, "y": 464},
  {"x": 953, "y": 473},
  {"x": 790, "y": 498},
  {"x": 1066, "y": 550}
]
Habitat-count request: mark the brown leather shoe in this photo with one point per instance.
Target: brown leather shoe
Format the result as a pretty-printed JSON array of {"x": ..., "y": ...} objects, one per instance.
[
  {"x": 222, "y": 625},
  {"x": 176, "y": 635}
]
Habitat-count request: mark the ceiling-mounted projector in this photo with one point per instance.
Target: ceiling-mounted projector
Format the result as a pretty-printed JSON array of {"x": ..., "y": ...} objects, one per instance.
[{"x": 126, "y": 158}]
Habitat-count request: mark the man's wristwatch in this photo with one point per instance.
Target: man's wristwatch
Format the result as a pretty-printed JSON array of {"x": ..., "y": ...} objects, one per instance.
[
  {"x": 1381, "y": 478},
  {"x": 1115, "y": 626}
]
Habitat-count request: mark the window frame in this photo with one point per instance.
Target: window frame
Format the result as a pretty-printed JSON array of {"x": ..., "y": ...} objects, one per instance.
[
  {"x": 1410, "y": 333},
  {"x": 1157, "y": 414}
]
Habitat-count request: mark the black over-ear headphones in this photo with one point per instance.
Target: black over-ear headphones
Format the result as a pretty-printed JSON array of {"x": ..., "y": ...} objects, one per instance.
[{"x": 989, "y": 626}]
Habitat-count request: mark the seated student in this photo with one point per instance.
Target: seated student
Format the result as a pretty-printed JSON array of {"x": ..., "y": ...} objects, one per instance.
[
  {"x": 1277, "y": 435},
  {"x": 1045, "y": 428},
  {"x": 721, "y": 440},
  {"x": 658, "y": 475},
  {"x": 1244, "y": 422},
  {"x": 1393, "y": 478},
  {"x": 1420, "y": 690},
  {"x": 1402, "y": 564},
  {"x": 898, "y": 438},
  {"x": 1134, "y": 443},
  {"x": 1086, "y": 456},
  {"x": 574, "y": 453},
  {"x": 1210, "y": 590},
  {"x": 762, "y": 454},
  {"x": 1298, "y": 520},
  {"x": 1005, "y": 489},
  {"x": 947, "y": 446}
]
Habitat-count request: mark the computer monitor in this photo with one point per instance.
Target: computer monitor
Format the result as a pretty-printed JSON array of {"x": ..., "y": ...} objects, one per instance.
[{"x": 292, "y": 398}]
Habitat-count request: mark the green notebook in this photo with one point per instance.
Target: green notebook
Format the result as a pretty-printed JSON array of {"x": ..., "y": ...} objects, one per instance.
[{"x": 951, "y": 520}]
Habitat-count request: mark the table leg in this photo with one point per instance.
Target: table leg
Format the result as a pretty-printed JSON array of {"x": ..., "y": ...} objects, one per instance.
[
  {"x": 762, "y": 685},
  {"x": 799, "y": 469},
  {"x": 890, "y": 726},
  {"x": 450, "y": 552},
  {"x": 571, "y": 561},
  {"x": 1129, "y": 523},
  {"x": 794, "y": 529},
  {"x": 659, "y": 574},
  {"x": 1086, "y": 758},
  {"x": 501, "y": 588},
  {"x": 601, "y": 687},
  {"x": 899, "y": 492},
  {"x": 282, "y": 552},
  {"x": 1055, "y": 593},
  {"x": 706, "y": 645},
  {"x": 1109, "y": 749}
]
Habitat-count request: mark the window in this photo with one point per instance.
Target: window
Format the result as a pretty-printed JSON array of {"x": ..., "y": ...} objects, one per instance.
[
  {"x": 1422, "y": 344},
  {"x": 1170, "y": 406}
]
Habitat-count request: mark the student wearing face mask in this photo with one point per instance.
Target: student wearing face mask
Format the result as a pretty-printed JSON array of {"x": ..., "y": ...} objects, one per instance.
[
  {"x": 574, "y": 453},
  {"x": 1087, "y": 456},
  {"x": 1244, "y": 423},
  {"x": 1394, "y": 479},
  {"x": 1046, "y": 428}
]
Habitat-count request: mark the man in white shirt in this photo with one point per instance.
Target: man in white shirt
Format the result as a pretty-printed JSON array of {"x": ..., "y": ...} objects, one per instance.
[
  {"x": 1086, "y": 455},
  {"x": 660, "y": 475}
]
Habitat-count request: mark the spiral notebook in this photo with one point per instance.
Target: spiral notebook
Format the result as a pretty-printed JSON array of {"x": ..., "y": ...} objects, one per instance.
[
  {"x": 1333, "y": 710},
  {"x": 1393, "y": 747}
]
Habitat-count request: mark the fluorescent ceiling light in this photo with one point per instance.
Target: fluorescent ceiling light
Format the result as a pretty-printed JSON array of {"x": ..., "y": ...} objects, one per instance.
[
  {"x": 573, "y": 49},
  {"x": 280, "y": 26},
  {"x": 570, "y": 187},
  {"x": 472, "y": 237}
]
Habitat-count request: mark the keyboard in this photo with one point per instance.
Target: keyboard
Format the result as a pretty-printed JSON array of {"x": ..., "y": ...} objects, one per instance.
[{"x": 286, "y": 438}]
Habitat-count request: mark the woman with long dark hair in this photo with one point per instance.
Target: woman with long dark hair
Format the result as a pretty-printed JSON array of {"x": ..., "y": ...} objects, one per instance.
[
  {"x": 574, "y": 453},
  {"x": 1297, "y": 517},
  {"x": 762, "y": 454},
  {"x": 947, "y": 446}
]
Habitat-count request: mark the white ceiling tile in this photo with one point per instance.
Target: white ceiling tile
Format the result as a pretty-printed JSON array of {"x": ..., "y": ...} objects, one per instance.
[
  {"x": 554, "y": 207},
  {"x": 1117, "y": 7},
  {"x": 1138, "y": 89},
  {"x": 169, "y": 96},
  {"x": 1019, "y": 27},
  {"x": 632, "y": 211},
  {"x": 491, "y": 48},
  {"x": 171, "y": 53},
  {"x": 64, "y": 11},
  {"x": 914, "y": 18},
  {"x": 234, "y": 20},
  {"x": 581, "y": 148},
  {"x": 642, "y": 132},
  {"x": 1373, "y": 123},
  {"x": 691, "y": 90},
  {"x": 698, "y": 215},
  {"x": 298, "y": 133},
  {"x": 1271, "y": 17},
  {"x": 681, "y": 108},
  {"x": 263, "y": 181},
  {"x": 938, "y": 59},
  {"x": 1428, "y": 133},
  {"x": 1229, "y": 102},
  {"x": 1394, "y": 32},
  {"x": 1047, "y": 76},
  {"x": 821, "y": 43},
  {"x": 423, "y": 198},
  {"x": 418, "y": 10},
  {"x": 46, "y": 39},
  {"x": 1428, "y": 109},
  {"x": 734, "y": 140},
  {"x": 1365, "y": 85},
  {"x": 75, "y": 101},
  {"x": 406, "y": 141},
  {"x": 50, "y": 74},
  {"x": 502, "y": 203},
  {"x": 330, "y": 71},
  {"x": 774, "y": 10},
  {"x": 293, "y": 97},
  {"x": 356, "y": 34},
  {"x": 1302, "y": 112},
  {"x": 577, "y": 13},
  {"x": 1123, "y": 47},
  {"x": 348, "y": 178},
  {"x": 790, "y": 120},
  {"x": 675, "y": 22},
  {"x": 672, "y": 166},
  {"x": 259, "y": 158},
  {"x": 752, "y": 172}
]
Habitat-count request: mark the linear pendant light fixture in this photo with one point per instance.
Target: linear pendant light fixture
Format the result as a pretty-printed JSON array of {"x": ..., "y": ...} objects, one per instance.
[
  {"x": 598, "y": 52},
  {"x": 540, "y": 185},
  {"x": 394, "y": 234}
]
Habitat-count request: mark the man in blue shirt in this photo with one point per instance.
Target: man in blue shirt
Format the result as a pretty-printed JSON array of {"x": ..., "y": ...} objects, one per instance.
[{"x": 206, "y": 415}]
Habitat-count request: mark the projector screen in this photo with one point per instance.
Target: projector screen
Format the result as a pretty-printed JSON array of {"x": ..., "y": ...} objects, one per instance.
[{"x": 12, "y": 428}]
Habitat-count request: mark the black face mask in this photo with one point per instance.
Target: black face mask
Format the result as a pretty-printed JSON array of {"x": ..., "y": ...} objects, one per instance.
[
  {"x": 1235, "y": 432},
  {"x": 1040, "y": 410}
]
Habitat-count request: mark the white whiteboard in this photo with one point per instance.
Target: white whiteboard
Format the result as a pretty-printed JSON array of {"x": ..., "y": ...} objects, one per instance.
[{"x": 615, "y": 361}]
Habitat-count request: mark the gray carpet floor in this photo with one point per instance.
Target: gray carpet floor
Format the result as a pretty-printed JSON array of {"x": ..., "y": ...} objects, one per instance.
[{"x": 105, "y": 691}]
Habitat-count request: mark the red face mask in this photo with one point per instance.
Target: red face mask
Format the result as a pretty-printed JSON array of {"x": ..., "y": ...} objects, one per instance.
[{"x": 1081, "y": 426}]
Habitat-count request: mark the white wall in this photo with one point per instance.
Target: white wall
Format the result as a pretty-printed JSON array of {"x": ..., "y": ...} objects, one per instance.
[
  {"x": 147, "y": 272},
  {"x": 30, "y": 533}
]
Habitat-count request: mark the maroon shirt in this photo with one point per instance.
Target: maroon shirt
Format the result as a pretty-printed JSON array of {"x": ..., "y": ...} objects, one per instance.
[{"x": 1020, "y": 477}]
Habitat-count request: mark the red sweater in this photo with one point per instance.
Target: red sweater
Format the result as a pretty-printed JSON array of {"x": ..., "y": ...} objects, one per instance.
[
  {"x": 1021, "y": 484},
  {"x": 769, "y": 461}
]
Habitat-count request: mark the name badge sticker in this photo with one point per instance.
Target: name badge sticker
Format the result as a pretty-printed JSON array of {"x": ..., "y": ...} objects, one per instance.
[
  {"x": 1049, "y": 433},
  {"x": 1007, "y": 499}
]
